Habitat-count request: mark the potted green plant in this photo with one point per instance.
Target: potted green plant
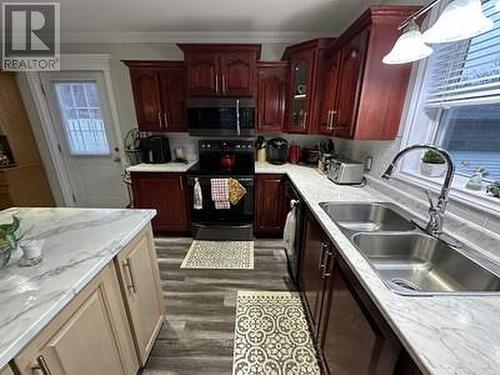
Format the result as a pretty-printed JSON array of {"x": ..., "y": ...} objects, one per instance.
[
  {"x": 8, "y": 240},
  {"x": 432, "y": 164},
  {"x": 494, "y": 189}
]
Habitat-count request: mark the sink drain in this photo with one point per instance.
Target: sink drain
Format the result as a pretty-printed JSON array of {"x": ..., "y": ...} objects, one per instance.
[{"x": 402, "y": 283}]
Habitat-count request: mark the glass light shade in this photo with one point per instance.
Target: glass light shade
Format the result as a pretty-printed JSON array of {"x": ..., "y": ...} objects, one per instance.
[
  {"x": 408, "y": 48},
  {"x": 497, "y": 6},
  {"x": 461, "y": 19}
]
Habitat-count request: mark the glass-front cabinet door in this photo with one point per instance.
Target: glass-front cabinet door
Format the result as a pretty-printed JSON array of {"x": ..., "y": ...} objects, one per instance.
[{"x": 300, "y": 93}]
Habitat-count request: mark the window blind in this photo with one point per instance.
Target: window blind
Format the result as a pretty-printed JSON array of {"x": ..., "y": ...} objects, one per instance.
[{"x": 467, "y": 72}]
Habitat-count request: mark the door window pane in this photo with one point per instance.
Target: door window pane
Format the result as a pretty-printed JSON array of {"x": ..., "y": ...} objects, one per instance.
[
  {"x": 472, "y": 136},
  {"x": 82, "y": 118}
]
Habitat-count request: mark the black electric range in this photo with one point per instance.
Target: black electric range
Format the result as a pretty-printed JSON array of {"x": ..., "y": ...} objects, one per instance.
[{"x": 223, "y": 159}]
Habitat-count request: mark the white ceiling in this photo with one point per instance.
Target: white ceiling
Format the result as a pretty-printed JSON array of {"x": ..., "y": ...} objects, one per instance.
[{"x": 99, "y": 20}]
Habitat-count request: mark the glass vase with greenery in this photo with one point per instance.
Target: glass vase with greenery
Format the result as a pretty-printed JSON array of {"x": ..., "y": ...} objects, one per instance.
[{"x": 9, "y": 240}]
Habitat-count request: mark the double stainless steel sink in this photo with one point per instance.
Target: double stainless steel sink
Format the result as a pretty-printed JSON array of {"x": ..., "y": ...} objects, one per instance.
[{"x": 407, "y": 260}]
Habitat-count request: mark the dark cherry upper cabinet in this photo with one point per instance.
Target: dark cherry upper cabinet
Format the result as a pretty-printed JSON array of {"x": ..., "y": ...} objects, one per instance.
[
  {"x": 304, "y": 92},
  {"x": 173, "y": 95},
  {"x": 202, "y": 76},
  {"x": 147, "y": 99},
  {"x": 272, "y": 80},
  {"x": 351, "y": 63},
  {"x": 368, "y": 95},
  {"x": 159, "y": 89},
  {"x": 271, "y": 205},
  {"x": 221, "y": 69},
  {"x": 167, "y": 194},
  {"x": 330, "y": 94},
  {"x": 238, "y": 70}
]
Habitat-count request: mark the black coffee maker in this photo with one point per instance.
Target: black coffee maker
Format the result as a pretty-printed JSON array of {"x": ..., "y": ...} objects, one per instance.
[
  {"x": 277, "y": 151},
  {"x": 155, "y": 149}
]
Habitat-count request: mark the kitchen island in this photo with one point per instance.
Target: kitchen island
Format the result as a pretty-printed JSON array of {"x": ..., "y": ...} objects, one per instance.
[{"x": 86, "y": 281}]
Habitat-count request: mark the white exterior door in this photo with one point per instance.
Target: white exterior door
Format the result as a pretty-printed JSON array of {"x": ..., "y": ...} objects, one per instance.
[{"x": 79, "y": 107}]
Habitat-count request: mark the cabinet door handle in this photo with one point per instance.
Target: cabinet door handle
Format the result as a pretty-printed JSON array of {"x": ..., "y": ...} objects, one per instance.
[
  {"x": 41, "y": 367},
  {"x": 321, "y": 265},
  {"x": 329, "y": 120},
  {"x": 224, "y": 83},
  {"x": 304, "y": 120},
  {"x": 216, "y": 83},
  {"x": 127, "y": 266},
  {"x": 159, "y": 119},
  {"x": 165, "y": 117},
  {"x": 334, "y": 113},
  {"x": 326, "y": 273}
]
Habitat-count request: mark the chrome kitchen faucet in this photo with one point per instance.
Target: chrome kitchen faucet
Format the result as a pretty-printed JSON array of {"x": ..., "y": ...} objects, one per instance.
[{"x": 436, "y": 211}]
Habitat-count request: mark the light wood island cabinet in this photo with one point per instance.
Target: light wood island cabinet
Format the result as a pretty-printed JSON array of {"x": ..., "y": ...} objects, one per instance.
[
  {"x": 111, "y": 324},
  {"x": 140, "y": 279}
]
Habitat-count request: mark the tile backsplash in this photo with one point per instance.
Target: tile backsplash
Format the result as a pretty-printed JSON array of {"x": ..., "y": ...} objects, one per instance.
[{"x": 190, "y": 143}]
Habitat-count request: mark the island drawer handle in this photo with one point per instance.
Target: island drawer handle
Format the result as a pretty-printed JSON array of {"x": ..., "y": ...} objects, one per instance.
[
  {"x": 41, "y": 367},
  {"x": 127, "y": 266}
]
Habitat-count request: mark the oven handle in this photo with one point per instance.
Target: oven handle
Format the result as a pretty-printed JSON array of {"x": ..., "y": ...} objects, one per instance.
[{"x": 191, "y": 180}]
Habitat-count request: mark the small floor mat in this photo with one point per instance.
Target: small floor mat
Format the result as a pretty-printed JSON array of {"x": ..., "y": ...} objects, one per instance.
[
  {"x": 272, "y": 335},
  {"x": 220, "y": 255}
]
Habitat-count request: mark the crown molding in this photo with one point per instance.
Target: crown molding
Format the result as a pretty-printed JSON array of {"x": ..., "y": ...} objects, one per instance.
[
  {"x": 70, "y": 61},
  {"x": 112, "y": 37}
]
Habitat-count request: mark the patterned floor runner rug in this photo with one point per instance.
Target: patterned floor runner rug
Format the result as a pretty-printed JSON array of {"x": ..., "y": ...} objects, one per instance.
[
  {"x": 220, "y": 255},
  {"x": 272, "y": 335}
]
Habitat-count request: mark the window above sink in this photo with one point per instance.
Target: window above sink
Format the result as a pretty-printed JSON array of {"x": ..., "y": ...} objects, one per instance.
[{"x": 454, "y": 102}]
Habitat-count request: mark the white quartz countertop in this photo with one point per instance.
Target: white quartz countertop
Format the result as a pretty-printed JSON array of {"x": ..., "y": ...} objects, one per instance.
[
  {"x": 443, "y": 334},
  {"x": 172, "y": 167},
  {"x": 78, "y": 244}
]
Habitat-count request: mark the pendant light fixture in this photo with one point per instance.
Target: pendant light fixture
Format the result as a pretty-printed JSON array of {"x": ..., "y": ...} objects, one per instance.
[
  {"x": 461, "y": 19},
  {"x": 409, "y": 47}
]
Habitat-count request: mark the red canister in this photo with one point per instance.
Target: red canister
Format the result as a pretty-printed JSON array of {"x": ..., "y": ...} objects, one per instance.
[{"x": 294, "y": 154}]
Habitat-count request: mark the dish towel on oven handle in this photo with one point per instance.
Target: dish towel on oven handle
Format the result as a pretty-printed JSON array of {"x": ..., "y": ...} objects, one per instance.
[
  {"x": 236, "y": 191},
  {"x": 289, "y": 230},
  {"x": 220, "y": 193},
  {"x": 197, "y": 195}
]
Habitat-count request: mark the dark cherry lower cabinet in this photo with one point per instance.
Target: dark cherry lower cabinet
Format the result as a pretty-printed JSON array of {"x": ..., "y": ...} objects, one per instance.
[
  {"x": 311, "y": 279},
  {"x": 165, "y": 192},
  {"x": 350, "y": 333},
  {"x": 271, "y": 204}
]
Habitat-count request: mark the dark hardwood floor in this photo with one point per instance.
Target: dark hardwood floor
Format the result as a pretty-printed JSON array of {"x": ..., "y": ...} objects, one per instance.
[{"x": 197, "y": 336}]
